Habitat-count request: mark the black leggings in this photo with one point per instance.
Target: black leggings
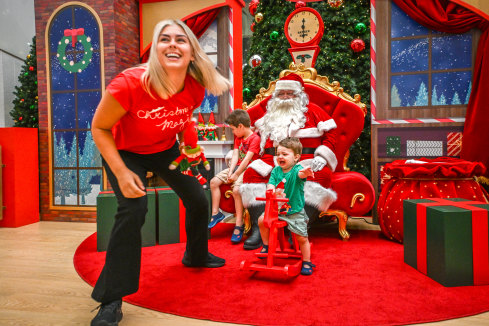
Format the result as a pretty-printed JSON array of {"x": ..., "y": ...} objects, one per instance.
[{"x": 120, "y": 275}]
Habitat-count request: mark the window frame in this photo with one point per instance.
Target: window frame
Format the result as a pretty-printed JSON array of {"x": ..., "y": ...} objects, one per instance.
[
  {"x": 50, "y": 93},
  {"x": 383, "y": 72}
]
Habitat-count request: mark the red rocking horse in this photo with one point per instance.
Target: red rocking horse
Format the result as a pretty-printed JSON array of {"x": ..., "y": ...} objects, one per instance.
[{"x": 277, "y": 239}]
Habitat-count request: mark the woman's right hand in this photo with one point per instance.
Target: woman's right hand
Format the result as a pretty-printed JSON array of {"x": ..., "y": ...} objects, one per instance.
[{"x": 130, "y": 184}]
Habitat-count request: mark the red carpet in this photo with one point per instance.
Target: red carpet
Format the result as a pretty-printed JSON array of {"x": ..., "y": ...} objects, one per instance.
[{"x": 363, "y": 281}]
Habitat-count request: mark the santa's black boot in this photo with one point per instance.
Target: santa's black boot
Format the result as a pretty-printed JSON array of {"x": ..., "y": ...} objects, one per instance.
[{"x": 254, "y": 239}]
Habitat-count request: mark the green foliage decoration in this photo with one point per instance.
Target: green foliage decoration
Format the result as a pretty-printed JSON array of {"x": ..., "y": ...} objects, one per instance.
[
  {"x": 25, "y": 111},
  {"x": 336, "y": 60}
]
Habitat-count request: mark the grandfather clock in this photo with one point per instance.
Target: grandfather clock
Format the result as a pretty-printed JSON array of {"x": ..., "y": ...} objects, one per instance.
[{"x": 304, "y": 29}]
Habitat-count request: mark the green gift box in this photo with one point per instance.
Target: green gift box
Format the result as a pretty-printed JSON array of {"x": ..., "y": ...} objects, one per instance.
[
  {"x": 106, "y": 210},
  {"x": 447, "y": 240},
  {"x": 171, "y": 216}
]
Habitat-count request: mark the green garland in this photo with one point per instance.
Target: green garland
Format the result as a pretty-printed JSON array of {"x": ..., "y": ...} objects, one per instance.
[{"x": 70, "y": 65}]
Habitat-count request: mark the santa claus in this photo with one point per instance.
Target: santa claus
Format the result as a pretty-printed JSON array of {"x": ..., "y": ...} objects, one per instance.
[{"x": 288, "y": 113}]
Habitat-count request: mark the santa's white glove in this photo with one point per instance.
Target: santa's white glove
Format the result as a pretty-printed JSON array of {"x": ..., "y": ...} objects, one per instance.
[{"x": 318, "y": 163}]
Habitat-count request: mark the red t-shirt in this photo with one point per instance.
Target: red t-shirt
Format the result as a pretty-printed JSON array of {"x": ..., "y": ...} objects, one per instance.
[
  {"x": 151, "y": 125},
  {"x": 250, "y": 144}
]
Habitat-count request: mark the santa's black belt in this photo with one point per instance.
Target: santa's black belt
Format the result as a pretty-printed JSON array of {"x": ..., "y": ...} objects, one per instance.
[{"x": 305, "y": 150}]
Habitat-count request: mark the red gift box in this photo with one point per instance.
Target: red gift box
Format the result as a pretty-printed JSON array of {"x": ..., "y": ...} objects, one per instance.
[{"x": 454, "y": 143}]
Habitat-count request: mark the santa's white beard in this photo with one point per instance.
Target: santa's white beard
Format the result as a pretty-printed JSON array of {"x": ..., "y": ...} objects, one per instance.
[{"x": 280, "y": 115}]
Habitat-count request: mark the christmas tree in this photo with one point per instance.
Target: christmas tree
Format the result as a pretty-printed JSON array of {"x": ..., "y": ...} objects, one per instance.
[
  {"x": 24, "y": 112},
  {"x": 344, "y": 21}
]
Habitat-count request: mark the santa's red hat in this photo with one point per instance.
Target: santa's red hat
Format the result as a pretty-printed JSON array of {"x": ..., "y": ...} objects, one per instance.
[
  {"x": 292, "y": 82},
  {"x": 190, "y": 139}
]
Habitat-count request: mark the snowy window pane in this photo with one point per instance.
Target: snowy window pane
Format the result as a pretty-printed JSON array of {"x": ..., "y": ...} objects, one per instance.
[
  {"x": 90, "y": 181},
  {"x": 62, "y": 21},
  {"x": 409, "y": 55},
  {"x": 424, "y": 148},
  {"x": 88, "y": 154},
  {"x": 208, "y": 40},
  {"x": 87, "y": 103},
  {"x": 84, "y": 19},
  {"x": 72, "y": 144},
  {"x": 89, "y": 78},
  {"x": 403, "y": 25},
  {"x": 65, "y": 192},
  {"x": 409, "y": 90},
  {"x": 213, "y": 58},
  {"x": 209, "y": 104},
  {"x": 60, "y": 78},
  {"x": 451, "y": 88},
  {"x": 63, "y": 105},
  {"x": 451, "y": 52},
  {"x": 64, "y": 149}
]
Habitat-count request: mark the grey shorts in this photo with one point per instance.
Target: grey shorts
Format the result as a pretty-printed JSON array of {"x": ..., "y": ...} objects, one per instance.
[{"x": 297, "y": 222}]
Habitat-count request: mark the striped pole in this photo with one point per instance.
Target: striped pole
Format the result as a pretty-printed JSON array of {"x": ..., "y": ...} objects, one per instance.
[{"x": 231, "y": 63}]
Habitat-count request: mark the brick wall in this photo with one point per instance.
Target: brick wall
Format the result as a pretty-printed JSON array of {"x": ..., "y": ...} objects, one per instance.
[{"x": 120, "y": 25}]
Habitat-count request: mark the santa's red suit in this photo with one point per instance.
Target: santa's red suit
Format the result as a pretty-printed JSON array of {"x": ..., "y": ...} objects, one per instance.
[{"x": 317, "y": 135}]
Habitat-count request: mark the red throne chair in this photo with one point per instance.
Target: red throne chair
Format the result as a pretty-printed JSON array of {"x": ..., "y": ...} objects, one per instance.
[
  {"x": 277, "y": 245},
  {"x": 356, "y": 195}
]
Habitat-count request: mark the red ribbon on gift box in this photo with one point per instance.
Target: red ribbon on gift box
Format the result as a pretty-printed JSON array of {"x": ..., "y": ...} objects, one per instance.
[{"x": 480, "y": 237}]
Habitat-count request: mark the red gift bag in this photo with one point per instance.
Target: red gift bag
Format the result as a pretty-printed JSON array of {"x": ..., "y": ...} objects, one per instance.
[{"x": 443, "y": 177}]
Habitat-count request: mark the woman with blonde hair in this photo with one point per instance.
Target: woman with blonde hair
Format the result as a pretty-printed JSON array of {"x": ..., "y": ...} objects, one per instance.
[{"x": 135, "y": 127}]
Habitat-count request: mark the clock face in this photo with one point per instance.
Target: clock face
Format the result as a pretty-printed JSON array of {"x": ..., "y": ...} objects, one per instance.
[{"x": 303, "y": 27}]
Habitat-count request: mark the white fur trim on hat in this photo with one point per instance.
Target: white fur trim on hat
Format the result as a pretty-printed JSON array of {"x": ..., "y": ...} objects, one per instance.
[
  {"x": 326, "y": 153},
  {"x": 261, "y": 167},
  {"x": 249, "y": 192},
  {"x": 288, "y": 85},
  {"x": 318, "y": 196}
]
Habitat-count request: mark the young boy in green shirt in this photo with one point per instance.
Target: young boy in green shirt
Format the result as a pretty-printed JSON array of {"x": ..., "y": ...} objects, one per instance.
[{"x": 288, "y": 178}]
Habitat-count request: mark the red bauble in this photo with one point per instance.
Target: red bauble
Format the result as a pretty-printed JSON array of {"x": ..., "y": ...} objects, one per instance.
[
  {"x": 357, "y": 45},
  {"x": 252, "y": 27},
  {"x": 252, "y": 7},
  {"x": 31, "y": 68},
  {"x": 20, "y": 118},
  {"x": 300, "y": 4},
  {"x": 22, "y": 100}
]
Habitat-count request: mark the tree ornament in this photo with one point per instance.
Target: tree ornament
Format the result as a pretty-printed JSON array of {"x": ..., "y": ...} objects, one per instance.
[
  {"x": 246, "y": 92},
  {"x": 357, "y": 45},
  {"x": 20, "y": 118},
  {"x": 28, "y": 56},
  {"x": 26, "y": 73},
  {"x": 32, "y": 107},
  {"x": 37, "y": 97},
  {"x": 335, "y": 3},
  {"x": 75, "y": 35},
  {"x": 22, "y": 100},
  {"x": 31, "y": 68},
  {"x": 360, "y": 28},
  {"x": 300, "y": 4},
  {"x": 274, "y": 35},
  {"x": 258, "y": 17},
  {"x": 255, "y": 60},
  {"x": 252, "y": 27},
  {"x": 35, "y": 82},
  {"x": 252, "y": 7}
]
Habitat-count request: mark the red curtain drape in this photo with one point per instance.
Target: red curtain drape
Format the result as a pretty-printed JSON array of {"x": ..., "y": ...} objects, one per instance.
[
  {"x": 198, "y": 24},
  {"x": 448, "y": 17}
]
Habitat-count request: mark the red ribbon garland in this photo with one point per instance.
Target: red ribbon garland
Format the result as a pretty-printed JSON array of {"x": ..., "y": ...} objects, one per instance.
[{"x": 480, "y": 237}]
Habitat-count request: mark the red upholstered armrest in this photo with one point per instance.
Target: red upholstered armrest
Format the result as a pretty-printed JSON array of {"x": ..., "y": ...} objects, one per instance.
[{"x": 348, "y": 116}]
